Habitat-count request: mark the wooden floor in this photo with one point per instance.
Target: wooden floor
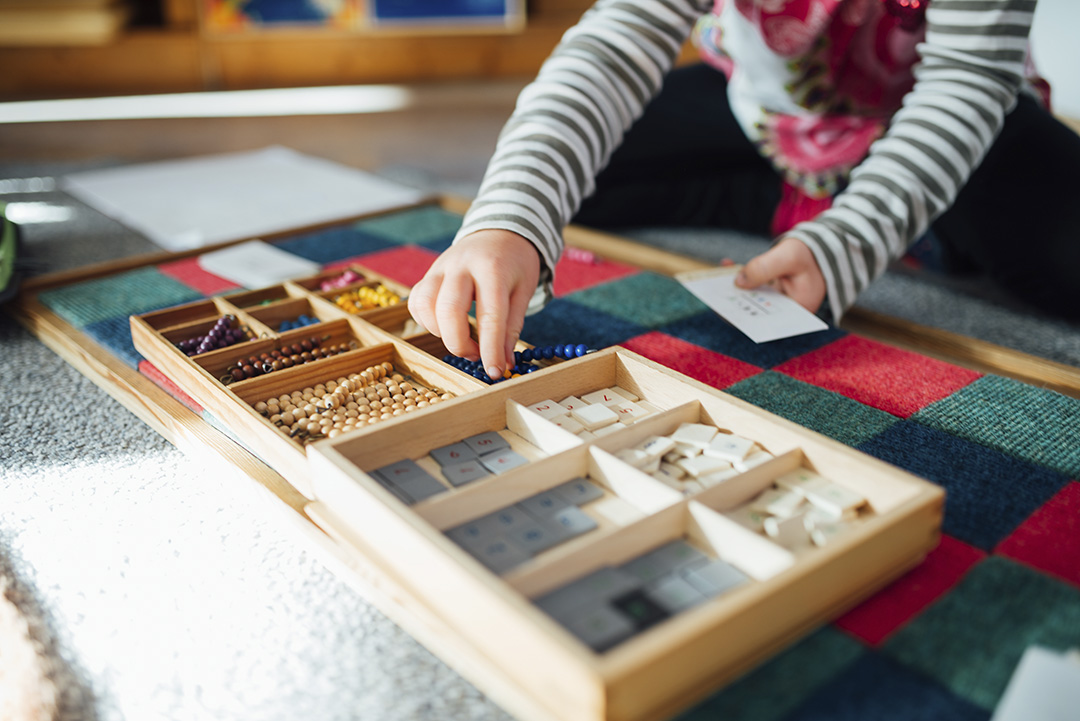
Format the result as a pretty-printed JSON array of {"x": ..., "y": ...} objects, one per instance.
[{"x": 449, "y": 130}]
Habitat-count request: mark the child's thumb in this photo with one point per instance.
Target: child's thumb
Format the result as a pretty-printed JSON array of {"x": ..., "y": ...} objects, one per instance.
[{"x": 757, "y": 272}]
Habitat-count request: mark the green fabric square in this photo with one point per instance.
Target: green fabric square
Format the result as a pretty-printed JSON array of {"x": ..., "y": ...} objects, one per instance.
[
  {"x": 832, "y": 414},
  {"x": 117, "y": 296},
  {"x": 648, "y": 299},
  {"x": 426, "y": 224},
  {"x": 1034, "y": 424},
  {"x": 781, "y": 685},
  {"x": 971, "y": 640}
]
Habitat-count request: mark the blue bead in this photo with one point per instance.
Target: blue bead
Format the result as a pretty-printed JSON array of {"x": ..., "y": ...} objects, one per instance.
[
  {"x": 532, "y": 369},
  {"x": 527, "y": 354},
  {"x": 581, "y": 350},
  {"x": 548, "y": 352}
]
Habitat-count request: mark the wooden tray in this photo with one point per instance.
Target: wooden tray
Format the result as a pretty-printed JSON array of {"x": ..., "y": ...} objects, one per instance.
[{"x": 486, "y": 624}]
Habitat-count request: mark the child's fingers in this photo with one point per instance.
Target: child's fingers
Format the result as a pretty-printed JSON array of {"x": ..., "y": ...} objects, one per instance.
[
  {"x": 519, "y": 303},
  {"x": 765, "y": 268},
  {"x": 452, "y": 315},
  {"x": 422, "y": 302},
  {"x": 492, "y": 309}
]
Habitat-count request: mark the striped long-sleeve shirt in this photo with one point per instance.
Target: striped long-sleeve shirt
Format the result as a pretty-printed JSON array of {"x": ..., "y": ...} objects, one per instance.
[{"x": 612, "y": 63}]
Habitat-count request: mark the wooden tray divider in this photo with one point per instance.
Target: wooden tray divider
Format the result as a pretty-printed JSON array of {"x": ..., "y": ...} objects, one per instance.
[
  {"x": 261, "y": 297},
  {"x": 753, "y": 554},
  {"x": 485, "y": 496},
  {"x": 538, "y": 430},
  {"x": 658, "y": 424},
  {"x": 640, "y": 489},
  {"x": 530, "y": 648},
  {"x": 612, "y": 549}
]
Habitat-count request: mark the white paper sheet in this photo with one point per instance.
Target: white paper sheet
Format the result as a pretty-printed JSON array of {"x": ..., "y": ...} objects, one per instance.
[
  {"x": 763, "y": 314},
  {"x": 255, "y": 264},
  {"x": 1044, "y": 687},
  {"x": 195, "y": 202}
]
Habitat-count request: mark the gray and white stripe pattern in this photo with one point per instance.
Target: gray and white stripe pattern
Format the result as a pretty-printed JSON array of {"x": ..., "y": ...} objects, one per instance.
[
  {"x": 972, "y": 68},
  {"x": 611, "y": 64}
]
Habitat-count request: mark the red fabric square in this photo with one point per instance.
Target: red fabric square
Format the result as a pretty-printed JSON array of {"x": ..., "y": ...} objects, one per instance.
[
  {"x": 406, "y": 263},
  {"x": 709, "y": 367},
  {"x": 877, "y": 375},
  {"x": 151, "y": 371},
  {"x": 1049, "y": 539},
  {"x": 188, "y": 272},
  {"x": 578, "y": 269},
  {"x": 884, "y": 613}
]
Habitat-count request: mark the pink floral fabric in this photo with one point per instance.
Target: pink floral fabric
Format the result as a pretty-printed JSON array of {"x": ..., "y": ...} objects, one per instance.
[{"x": 849, "y": 65}]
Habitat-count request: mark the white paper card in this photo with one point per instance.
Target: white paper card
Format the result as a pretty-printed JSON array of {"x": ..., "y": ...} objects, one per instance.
[
  {"x": 195, "y": 202},
  {"x": 255, "y": 264},
  {"x": 1045, "y": 686},
  {"x": 763, "y": 314}
]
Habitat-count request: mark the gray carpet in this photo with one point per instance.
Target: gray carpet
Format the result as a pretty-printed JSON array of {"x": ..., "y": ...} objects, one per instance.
[{"x": 158, "y": 585}]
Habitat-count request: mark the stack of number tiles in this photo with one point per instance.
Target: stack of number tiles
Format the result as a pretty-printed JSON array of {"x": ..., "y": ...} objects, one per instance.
[
  {"x": 696, "y": 456},
  {"x": 611, "y": 604},
  {"x": 513, "y": 535},
  {"x": 801, "y": 509},
  {"x": 595, "y": 414},
  {"x": 471, "y": 459}
]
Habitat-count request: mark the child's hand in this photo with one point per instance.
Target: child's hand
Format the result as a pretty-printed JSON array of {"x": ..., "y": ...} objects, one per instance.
[
  {"x": 498, "y": 268},
  {"x": 791, "y": 268}
]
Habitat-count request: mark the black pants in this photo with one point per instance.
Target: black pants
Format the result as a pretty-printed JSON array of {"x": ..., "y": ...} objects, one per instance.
[{"x": 686, "y": 162}]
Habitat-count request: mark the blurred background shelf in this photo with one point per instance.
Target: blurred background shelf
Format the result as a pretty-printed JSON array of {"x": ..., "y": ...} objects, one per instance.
[{"x": 168, "y": 46}]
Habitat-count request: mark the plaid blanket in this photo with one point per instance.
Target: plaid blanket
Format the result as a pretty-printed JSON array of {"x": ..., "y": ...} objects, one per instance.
[{"x": 940, "y": 642}]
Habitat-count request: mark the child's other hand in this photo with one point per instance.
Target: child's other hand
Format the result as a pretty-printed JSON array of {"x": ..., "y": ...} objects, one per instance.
[
  {"x": 790, "y": 267},
  {"x": 497, "y": 268}
]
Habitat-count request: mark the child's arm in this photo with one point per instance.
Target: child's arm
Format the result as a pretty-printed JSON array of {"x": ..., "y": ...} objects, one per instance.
[
  {"x": 500, "y": 270},
  {"x": 565, "y": 126},
  {"x": 972, "y": 66}
]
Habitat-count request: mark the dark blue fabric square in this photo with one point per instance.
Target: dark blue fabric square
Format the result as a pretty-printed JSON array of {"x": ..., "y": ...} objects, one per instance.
[
  {"x": 876, "y": 687},
  {"x": 335, "y": 244},
  {"x": 988, "y": 493},
  {"x": 438, "y": 245},
  {"x": 709, "y": 330},
  {"x": 564, "y": 321},
  {"x": 115, "y": 335}
]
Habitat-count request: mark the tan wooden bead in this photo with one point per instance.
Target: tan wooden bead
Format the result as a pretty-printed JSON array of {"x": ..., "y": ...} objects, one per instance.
[
  {"x": 312, "y": 427},
  {"x": 287, "y": 418},
  {"x": 260, "y": 407}
]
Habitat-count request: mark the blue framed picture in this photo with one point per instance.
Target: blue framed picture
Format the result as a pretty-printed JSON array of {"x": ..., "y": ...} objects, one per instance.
[{"x": 496, "y": 12}]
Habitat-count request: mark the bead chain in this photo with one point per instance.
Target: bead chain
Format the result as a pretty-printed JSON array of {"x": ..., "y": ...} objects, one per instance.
[
  {"x": 328, "y": 409},
  {"x": 525, "y": 361},
  {"x": 304, "y": 351}
]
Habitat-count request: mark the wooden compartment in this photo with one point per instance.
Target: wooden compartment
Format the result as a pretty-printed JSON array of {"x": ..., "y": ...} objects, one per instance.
[
  {"x": 232, "y": 404},
  {"x": 670, "y": 665}
]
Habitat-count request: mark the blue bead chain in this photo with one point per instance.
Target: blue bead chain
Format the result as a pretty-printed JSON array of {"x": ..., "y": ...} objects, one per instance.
[{"x": 525, "y": 361}]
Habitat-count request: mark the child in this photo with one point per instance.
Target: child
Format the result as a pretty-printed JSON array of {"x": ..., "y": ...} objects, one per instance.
[{"x": 843, "y": 128}]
